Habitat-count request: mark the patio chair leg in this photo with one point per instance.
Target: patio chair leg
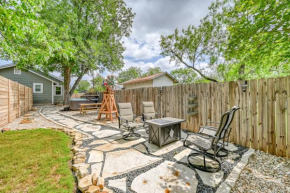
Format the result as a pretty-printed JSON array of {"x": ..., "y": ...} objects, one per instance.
[
  {"x": 131, "y": 134},
  {"x": 204, "y": 167}
]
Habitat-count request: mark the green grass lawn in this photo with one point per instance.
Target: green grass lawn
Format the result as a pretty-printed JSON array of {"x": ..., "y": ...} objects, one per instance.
[{"x": 35, "y": 161}]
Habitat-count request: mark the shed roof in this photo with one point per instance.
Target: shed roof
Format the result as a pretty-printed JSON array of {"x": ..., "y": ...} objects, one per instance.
[{"x": 151, "y": 77}]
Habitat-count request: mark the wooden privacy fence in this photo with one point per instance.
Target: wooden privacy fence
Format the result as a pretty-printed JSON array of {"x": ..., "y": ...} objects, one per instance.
[
  {"x": 77, "y": 95},
  {"x": 262, "y": 123},
  {"x": 15, "y": 100}
]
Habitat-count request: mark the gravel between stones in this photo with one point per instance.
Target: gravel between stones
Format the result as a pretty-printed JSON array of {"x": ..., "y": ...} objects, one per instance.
[
  {"x": 265, "y": 173},
  {"x": 38, "y": 122}
]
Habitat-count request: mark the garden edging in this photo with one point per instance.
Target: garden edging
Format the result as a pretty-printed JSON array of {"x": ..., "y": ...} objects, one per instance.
[{"x": 85, "y": 182}]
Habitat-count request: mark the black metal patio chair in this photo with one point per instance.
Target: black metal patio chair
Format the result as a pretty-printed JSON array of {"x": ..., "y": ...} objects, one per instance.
[
  {"x": 148, "y": 113},
  {"x": 208, "y": 146},
  {"x": 127, "y": 119},
  {"x": 211, "y": 130}
]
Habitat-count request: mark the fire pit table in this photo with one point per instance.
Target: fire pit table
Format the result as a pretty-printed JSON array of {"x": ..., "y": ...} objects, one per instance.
[{"x": 165, "y": 130}]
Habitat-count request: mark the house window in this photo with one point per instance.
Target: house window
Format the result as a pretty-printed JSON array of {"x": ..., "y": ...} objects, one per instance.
[
  {"x": 37, "y": 87},
  {"x": 17, "y": 71},
  {"x": 58, "y": 90}
]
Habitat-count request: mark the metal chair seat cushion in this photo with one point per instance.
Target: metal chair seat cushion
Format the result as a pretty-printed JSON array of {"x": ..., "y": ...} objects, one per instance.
[{"x": 133, "y": 125}]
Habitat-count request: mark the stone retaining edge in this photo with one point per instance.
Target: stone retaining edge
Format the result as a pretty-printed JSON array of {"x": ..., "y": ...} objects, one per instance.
[
  {"x": 88, "y": 183},
  {"x": 231, "y": 180}
]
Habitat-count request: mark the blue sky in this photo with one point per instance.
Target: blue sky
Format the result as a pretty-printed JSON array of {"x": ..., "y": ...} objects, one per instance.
[{"x": 153, "y": 19}]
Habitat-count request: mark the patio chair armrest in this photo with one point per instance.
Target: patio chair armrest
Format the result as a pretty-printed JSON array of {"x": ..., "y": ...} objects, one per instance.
[{"x": 122, "y": 119}]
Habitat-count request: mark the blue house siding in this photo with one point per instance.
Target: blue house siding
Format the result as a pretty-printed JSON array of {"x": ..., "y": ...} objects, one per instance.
[{"x": 28, "y": 78}]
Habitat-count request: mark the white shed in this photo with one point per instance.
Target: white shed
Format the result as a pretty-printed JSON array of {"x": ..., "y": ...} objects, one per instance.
[{"x": 156, "y": 80}]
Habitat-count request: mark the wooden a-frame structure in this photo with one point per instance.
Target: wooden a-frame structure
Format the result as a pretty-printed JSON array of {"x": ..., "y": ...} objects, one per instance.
[{"x": 108, "y": 106}]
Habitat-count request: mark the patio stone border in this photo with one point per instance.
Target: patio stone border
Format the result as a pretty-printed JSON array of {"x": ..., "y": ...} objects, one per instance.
[
  {"x": 85, "y": 182},
  {"x": 90, "y": 122},
  {"x": 62, "y": 125},
  {"x": 230, "y": 181}
]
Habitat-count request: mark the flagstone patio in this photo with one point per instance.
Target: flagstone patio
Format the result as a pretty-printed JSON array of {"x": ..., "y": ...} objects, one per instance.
[{"x": 138, "y": 166}]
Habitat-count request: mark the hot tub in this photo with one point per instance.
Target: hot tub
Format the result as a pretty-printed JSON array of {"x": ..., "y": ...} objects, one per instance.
[{"x": 74, "y": 104}]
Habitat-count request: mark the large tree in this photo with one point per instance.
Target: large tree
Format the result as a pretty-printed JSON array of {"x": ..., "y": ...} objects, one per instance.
[
  {"x": 238, "y": 39},
  {"x": 152, "y": 70},
  {"x": 258, "y": 37},
  {"x": 129, "y": 74},
  {"x": 80, "y": 36},
  {"x": 195, "y": 45},
  {"x": 98, "y": 83},
  {"x": 20, "y": 28},
  {"x": 83, "y": 85},
  {"x": 184, "y": 75}
]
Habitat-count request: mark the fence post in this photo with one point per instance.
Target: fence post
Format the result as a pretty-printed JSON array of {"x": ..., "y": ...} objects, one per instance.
[
  {"x": 8, "y": 101},
  {"x": 18, "y": 100},
  {"x": 28, "y": 100}
]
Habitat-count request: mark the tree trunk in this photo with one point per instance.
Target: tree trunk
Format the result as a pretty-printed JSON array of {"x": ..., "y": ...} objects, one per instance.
[
  {"x": 78, "y": 81},
  {"x": 66, "y": 84},
  {"x": 242, "y": 72}
]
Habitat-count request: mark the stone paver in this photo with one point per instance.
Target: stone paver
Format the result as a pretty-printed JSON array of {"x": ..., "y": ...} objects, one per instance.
[
  {"x": 155, "y": 150},
  {"x": 182, "y": 156},
  {"x": 198, "y": 160},
  {"x": 106, "y": 154},
  {"x": 231, "y": 147},
  {"x": 105, "y": 133},
  {"x": 95, "y": 156},
  {"x": 166, "y": 177},
  {"x": 98, "y": 142},
  {"x": 141, "y": 148},
  {"x": 142, "y": 132},
  {"x": 211, "y": 179},
  {"x": 119, "y": 162},
  {"x": 96, "y": 168},
  {"x": 119, "y": 144},
  {"x": 88, "y": 127},
  {"x": 118, "y": 183}
]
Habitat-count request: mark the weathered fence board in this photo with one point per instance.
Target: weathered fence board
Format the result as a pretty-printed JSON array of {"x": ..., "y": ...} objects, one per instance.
[
  {"x": 271, "y": 119},
  {"x": 262, "y": 123},
  {"x": 15, "y": 100},
  {"x": 253, "y": 114}
]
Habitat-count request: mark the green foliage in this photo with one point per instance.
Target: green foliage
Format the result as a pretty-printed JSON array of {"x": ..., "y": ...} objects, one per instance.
[
  {"x": 151, "y": 71},
  {"x": 195, "y": 45},
  {"x": 69, "y": 36},
  {"x": 184, "y": 75},
  {"x": 258, "y": 37},
  {"x": 35, "y": 161},
  {"x": 24, "y": 38},
  {"x": 129, "y": 74},
  {"x": 97, "y": 83},
  {"x": 83, "y": 85},
  {"x": 239, "y": 39}
]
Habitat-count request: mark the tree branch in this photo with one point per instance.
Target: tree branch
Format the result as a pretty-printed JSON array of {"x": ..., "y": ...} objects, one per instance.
[
  {"x": 195, "y": 69},
  {"x": 78, "y": 81}
]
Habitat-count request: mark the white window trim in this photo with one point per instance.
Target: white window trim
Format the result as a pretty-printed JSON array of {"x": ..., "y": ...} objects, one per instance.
[
  {"x": 15, "y": 71},
  {"x": 54, "y": 90},
  {"x": 34, "y": 84}
]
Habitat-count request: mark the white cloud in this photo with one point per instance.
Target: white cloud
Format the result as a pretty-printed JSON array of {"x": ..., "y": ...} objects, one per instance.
[
  {"x": 141, "y": 49},
  {"x": 163, "y": 63},
  {"x": 153, "y": 19}
]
